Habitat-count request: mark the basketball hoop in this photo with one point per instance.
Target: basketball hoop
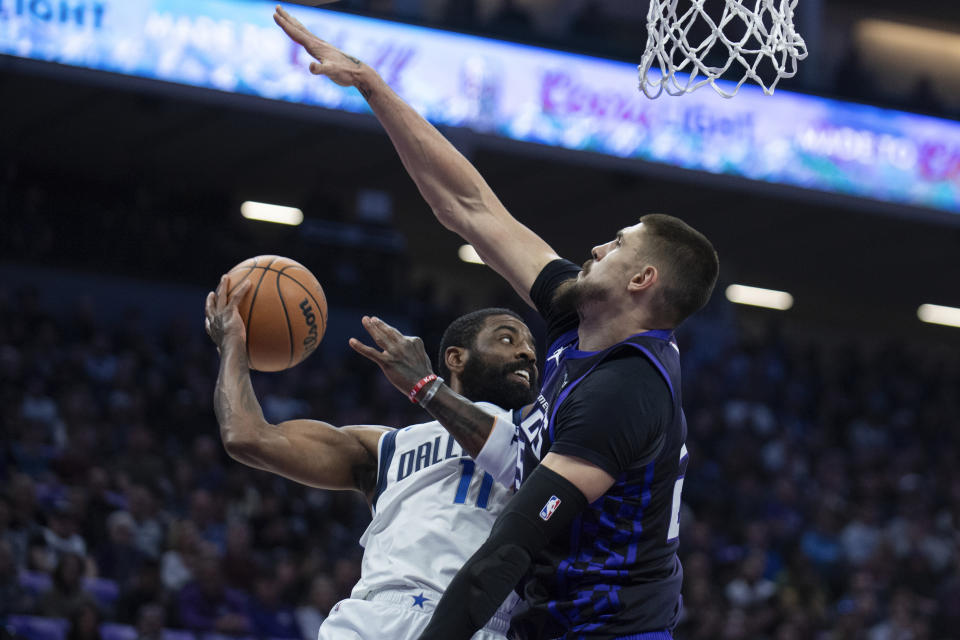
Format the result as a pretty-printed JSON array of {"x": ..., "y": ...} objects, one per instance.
[{"x": 762, "y": 40}]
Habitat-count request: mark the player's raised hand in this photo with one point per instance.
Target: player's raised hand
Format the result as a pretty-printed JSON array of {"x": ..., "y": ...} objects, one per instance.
[
  {"x": 223, "y": 321},
  {"x": 331, "y": 62},
  {"x": 403, "y": 359}
]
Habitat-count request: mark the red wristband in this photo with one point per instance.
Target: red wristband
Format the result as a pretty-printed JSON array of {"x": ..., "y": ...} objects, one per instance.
[{"x": 417, "y": 388}]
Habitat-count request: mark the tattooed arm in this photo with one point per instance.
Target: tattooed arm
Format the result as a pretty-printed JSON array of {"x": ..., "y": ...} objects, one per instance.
[
  {"x": 459, "y": 197},
  {"x": 311, "y": 452},
  {"x": 469, "y": 425}
]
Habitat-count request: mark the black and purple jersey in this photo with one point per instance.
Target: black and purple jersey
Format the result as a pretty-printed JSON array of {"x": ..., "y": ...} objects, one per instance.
[{"x": 616, "y": 576}]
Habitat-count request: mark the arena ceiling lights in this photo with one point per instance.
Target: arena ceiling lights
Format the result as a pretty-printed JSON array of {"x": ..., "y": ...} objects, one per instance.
[
  {"x": 937, "y": 314},
  {"x": 757, "y": 297},
  {"x": 468, "y": 254},
  {"x": 271, "y": 213}
]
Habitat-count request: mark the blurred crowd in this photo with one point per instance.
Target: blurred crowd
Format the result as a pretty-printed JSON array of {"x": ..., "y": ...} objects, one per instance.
[
  {"x": 118, "y": 503},
  {"x": 821, "y": 500},
  {"x": 823, "y": 494}
]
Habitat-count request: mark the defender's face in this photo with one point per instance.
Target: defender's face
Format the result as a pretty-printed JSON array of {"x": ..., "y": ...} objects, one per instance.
[
  {"x": 613, "y": 262},
  {"x": 502, "y": 365}
]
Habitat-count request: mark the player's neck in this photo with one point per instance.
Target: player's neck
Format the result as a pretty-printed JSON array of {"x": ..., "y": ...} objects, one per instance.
[{"x": 600, "y": 329}]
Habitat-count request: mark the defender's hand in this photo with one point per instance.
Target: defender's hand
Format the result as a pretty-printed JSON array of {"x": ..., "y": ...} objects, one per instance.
[
  {"x": 403, "y": 360},
  {"x": 331, "y": 62},
  {"x": 223, "y": 322}
]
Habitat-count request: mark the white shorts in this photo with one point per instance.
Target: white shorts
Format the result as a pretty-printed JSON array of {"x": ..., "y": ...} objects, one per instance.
[{"x": 394, "y": 615}]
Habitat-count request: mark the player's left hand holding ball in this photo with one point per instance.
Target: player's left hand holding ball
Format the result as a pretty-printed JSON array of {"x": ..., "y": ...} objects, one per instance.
[{"x": 223, "y": 322}]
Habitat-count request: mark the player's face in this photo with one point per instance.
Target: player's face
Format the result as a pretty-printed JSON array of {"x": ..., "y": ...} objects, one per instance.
[
  {"x": 610, "y": 269},
  {"x": 502, "y": 365}
]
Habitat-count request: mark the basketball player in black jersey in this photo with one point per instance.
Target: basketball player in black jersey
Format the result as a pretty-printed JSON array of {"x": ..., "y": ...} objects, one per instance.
[{"x": 591, "y": 534}]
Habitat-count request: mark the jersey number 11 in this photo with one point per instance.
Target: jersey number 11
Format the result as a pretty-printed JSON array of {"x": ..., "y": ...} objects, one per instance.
[{"x": 466, "y": 475}]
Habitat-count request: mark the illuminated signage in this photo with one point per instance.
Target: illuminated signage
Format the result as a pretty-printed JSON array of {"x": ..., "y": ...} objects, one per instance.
[{"x": 504, "y": 89}]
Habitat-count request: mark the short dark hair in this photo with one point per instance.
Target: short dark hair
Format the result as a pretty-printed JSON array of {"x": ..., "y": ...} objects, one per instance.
[
  {"x": 463, "y": 331},
  {"x": 689, "y": 265}
]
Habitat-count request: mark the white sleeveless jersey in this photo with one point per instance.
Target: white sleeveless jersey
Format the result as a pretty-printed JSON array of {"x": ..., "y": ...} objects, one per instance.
[{"x": 433, "y": 508}]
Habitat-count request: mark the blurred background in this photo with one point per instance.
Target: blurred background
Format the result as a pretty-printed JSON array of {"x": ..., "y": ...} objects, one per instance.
[{"x": 823, "y": 495}]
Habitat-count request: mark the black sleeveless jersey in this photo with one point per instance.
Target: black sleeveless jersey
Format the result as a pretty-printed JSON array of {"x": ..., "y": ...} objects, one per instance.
[{"x": 617, "y": 574}]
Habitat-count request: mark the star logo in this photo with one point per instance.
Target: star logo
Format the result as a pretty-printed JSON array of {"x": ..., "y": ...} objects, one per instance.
[{"x": 419, "y": 600}]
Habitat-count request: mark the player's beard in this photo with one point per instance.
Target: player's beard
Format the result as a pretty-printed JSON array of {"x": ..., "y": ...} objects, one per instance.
[
  {"x": 579, "y": 295},
  {"x": 484, "y": 381}
]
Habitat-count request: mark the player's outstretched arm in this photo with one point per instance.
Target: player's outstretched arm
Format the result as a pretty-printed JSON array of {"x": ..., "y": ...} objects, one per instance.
[
  {"x": 311, "y": 452},
  {"x": 458, "y": 195}
]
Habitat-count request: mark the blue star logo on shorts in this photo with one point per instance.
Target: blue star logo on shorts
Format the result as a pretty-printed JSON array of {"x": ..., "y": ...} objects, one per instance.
[{"x": 419, "y": 600}]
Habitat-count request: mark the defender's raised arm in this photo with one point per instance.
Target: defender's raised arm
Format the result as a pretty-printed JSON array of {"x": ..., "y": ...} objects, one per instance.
[{"x": 458, "y": 195}]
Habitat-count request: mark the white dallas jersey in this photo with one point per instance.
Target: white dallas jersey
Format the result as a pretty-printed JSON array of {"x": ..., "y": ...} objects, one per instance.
[{"x": 433, "y": 507}]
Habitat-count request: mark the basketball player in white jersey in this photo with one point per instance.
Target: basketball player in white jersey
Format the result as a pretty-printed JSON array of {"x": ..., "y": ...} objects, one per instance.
[{"x": 432, "y": 505}]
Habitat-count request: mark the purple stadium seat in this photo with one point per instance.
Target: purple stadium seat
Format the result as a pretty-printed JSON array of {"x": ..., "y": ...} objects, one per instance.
[
  {"x": 112, "y": 631},
  {"x": 37, "y": 628},
  {"x": 35, "y": 582},
  {"x": 103, "y": 590}
]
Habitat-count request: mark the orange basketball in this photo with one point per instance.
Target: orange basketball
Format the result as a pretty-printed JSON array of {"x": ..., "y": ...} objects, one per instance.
[{"x": 284, "y": 311}]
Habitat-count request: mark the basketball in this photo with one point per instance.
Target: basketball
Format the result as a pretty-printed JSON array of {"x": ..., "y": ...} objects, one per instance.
[{"x": 284, "y": 311}]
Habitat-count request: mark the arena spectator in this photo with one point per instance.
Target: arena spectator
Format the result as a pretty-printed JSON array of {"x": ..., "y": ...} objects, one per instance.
[
  {"x": 184, "y": 549},
  {"x": 66, "y": 597},
  {"x": 750, "y": 589},
  {"x": 311, "y": 614},
  {"x": 861, "y": 536},
  {"x": 143, "y": 588},
  {"x": 25, "y": 517},
  {"x": 118, "y": 558},
  {"x": 150, "y": 622},
  {"x": 141, "y": 462},
  {"x": 61, "y": 534},
  {"x": 84, "y": 623},
  {"x": 16, "y": 539},
  {"x": 206, "y": 604},
  {"x": 207, "y": 465},
  {"x": 205, "y": 512},
  {"x": 238, "y": 562},
  {"x": 148, "y": 533},
  {"x": 14, "y": 598},
  {"x": 271, "y": 617}
]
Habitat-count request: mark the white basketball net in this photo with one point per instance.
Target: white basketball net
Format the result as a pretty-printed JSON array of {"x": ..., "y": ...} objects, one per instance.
[{"x": 758, "y": 40}]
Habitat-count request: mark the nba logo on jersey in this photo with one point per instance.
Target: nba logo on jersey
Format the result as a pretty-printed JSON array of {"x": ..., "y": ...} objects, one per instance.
[{"x": 549, "y": 508}]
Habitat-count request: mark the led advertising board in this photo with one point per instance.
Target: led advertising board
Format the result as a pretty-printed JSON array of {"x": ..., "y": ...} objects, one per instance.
[{"x": 520, "y": 92}]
